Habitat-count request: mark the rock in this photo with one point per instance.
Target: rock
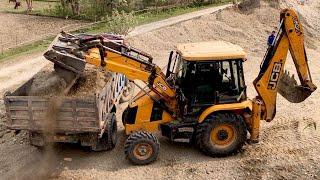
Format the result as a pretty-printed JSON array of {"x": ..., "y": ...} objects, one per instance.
[{"x": 67, "y": 159}]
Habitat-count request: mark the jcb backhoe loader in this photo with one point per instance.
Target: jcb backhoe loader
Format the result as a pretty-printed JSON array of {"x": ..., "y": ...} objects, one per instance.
[{"x": 202, "y": 96}]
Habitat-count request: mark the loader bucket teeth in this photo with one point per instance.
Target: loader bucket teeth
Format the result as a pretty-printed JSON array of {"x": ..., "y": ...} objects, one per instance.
[{"x": 290, "y": 90}]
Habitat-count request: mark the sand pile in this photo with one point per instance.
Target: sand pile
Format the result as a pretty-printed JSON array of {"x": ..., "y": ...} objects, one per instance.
[
  {"x": 48, "y": 83},
  {"x": 93, "y": 81},
  {"x": 250, "y": 31},
  {"x": 247, "y": 30}
]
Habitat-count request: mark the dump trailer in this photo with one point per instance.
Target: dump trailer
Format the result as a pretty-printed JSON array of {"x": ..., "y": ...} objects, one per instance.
[{"x": 87, "y": 119}]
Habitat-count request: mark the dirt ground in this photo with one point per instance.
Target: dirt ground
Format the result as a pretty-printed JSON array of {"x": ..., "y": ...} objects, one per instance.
[
  {"x": 289, "y": 145},
  {"x": 18, "y": 28}
]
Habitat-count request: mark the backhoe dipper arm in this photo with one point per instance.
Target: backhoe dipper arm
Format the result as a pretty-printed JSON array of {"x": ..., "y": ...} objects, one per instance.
[{"x": 272, "y": 78}]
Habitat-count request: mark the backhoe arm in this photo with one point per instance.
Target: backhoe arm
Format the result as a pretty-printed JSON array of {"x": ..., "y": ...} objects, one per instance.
[{"x": 272, "y": 79}]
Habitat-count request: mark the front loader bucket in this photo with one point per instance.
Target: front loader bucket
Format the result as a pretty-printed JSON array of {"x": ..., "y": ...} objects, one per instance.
[
  {"x": 66, "y": 61},
  {"x": 289, "y": 89},
  {"x": 68, "y": 67}
]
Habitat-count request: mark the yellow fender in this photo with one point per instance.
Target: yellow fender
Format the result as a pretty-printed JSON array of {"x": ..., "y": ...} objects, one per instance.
[{"x": 225, "y": 107}]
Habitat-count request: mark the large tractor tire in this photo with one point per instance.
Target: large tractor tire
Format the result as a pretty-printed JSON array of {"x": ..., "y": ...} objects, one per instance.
[
  {"x": 142, "y": 148},
  {"x": 109, "y": 138},
  {"x": 221, "y": 134}
]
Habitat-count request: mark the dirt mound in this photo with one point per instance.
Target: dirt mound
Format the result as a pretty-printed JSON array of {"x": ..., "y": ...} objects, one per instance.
[
  {"x": 48, "y": 83},
  {"x": 247, "y": 30}
]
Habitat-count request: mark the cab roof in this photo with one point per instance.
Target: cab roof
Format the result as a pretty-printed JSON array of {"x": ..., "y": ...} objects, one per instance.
[{"x": 212, "y": 50}]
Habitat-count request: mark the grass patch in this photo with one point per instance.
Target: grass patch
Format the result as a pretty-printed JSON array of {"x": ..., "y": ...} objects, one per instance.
[{"x": 37, "y": 46}]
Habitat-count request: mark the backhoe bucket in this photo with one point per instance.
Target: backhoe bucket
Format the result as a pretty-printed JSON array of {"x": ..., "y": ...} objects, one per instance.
[{"x": 289, "y": 89}]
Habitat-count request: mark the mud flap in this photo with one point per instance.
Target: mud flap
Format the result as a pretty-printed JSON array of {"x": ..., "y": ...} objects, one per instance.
[{"x": 290, "y": 90}]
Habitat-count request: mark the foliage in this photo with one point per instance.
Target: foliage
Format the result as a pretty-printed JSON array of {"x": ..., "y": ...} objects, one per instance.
[
  {"x": 120, "y": 22},
  {"x": 97, "y": 9}
]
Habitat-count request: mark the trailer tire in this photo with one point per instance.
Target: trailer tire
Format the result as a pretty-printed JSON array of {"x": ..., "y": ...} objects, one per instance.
[
  {"x": 142, "y": 148},
  {"x": 109, "y": 138},
  {"x": 37, "y": 140}
]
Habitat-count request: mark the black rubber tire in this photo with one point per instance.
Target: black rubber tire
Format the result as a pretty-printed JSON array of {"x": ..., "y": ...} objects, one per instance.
[
  {"x": 203, "y": 134},
  {"x": 109, "y": 138},
  {"x": 141, "y": 138}
]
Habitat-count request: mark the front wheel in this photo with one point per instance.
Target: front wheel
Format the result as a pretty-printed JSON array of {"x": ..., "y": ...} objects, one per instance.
[
  {"x": 142, "y": 148},
  {"x": 221, "y": 134}
]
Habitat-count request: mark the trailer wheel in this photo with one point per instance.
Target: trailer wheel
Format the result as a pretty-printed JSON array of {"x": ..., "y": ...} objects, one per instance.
[
  {"x": 109, "y": 138},
  {"x": 141, "y": 148},
  {"x": 37, "y": 140},
  {"x": 221, "y": 134},
  {"x": 127, "y": 92}
]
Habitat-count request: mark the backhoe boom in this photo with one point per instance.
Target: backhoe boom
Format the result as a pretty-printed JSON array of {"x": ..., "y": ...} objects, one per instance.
[{"x": 272, "y": 79}]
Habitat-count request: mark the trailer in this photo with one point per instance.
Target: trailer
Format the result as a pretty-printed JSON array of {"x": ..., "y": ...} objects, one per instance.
[{"x": 89, "y": 121}]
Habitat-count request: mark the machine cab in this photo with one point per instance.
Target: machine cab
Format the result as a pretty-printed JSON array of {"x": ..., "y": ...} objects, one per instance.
[{"x": 208, "y": 73}]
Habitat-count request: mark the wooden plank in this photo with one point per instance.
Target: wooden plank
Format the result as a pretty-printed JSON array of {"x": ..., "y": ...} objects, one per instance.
[
  {"x": 20, "y": 117},
  {"x": 17, "y": 108},
  {"x": 26, "y": 98},
  {"x": 74, "y": 114},
  {"x": 89, "y": 110},
  {"x": 57, "y": 130}
]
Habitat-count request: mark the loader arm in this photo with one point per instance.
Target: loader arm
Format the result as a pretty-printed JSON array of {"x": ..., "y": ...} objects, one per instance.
[
  {"x": 273, "y": 79},
  {"x": 72, "y": 53},
  {"x": 133, "y": 68}
]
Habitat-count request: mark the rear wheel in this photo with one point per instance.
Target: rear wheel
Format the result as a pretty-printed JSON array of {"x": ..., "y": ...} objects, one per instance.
[
  {"x": 109, "y": 138},
  {"x": 221, "y": 134},
  {"x": 142, "y": 148}
]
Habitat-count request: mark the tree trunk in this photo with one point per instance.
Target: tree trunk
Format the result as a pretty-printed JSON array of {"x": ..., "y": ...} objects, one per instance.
[{"x": 29, "y": 5}]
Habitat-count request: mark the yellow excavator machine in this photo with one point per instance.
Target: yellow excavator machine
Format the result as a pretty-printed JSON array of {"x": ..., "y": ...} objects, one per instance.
[{"x": 202, "y": 97}]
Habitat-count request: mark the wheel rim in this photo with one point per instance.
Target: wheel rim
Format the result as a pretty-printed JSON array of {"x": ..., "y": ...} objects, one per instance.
[
  {"x": 223, "y": 135},
  {"x": 143, "y": 151}
]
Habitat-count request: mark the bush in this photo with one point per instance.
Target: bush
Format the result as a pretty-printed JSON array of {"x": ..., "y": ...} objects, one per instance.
[{"x": 120, "y": 22}]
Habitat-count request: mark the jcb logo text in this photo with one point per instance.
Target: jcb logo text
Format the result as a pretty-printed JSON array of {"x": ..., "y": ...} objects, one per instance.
[{"x": 275, "y": 75}]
